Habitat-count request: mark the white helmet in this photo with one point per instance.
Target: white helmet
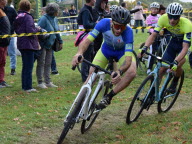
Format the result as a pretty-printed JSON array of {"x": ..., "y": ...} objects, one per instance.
[
  {"x": 154, "y": 5},
  {"x": 113, "y": 7},
  {"x": 174, "y": 9}
]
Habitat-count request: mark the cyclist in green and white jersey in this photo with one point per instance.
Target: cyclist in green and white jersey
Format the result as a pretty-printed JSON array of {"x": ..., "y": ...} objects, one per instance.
[{"x": 178, "y": 46}]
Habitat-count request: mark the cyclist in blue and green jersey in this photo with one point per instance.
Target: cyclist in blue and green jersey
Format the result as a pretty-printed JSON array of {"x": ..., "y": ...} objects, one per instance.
[
  {"x": 117, "y": 43},
  {"x": 177, "y": 48}
]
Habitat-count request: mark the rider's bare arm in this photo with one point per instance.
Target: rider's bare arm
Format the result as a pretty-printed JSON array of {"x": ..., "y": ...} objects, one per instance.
[
  {"x": 126, "y": 64},
  {"x": 183, "y": 52},
  {"x": 83, "y": 46},
  {"x": 150, "y": 39}
]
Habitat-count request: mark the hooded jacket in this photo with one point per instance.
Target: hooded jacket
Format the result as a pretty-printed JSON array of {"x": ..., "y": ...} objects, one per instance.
[{"x": 98, "y": 12}]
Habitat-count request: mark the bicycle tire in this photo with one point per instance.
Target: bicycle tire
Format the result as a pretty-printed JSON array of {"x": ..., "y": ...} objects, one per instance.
[
  {"x": 137, "y": 59},
  {"x": 93, "y": 112},
  {"x": 140, "y": 95},
  {"x": 72, "y": 117},
  {"x": 160, "y": 107}
]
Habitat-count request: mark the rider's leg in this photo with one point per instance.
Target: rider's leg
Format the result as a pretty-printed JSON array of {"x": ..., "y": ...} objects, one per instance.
[
  {"x": 128, "y": 77},
  {"x": 178, "y": 73}
]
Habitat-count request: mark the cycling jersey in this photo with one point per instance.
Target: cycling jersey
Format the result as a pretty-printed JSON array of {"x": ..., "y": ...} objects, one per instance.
[
  {"x": 112, "y": 46},
  {"x": 152, "y": 21},
  {"x": 181, "y": 30}
]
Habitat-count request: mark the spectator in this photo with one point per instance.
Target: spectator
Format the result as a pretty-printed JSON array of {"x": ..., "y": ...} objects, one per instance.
[
  {"x": 12, "y": 14},
  {"x": 5, "y": 28},
  {"x": 73, "y": 12},
  {"x": 99, "y": 13},
  {"x": 85, "y": 21},
  {"x": 48, "y": 22},
  {"x": 107, "y": 10},
  {"x": 43, "y": 11},
  {"x": 27, "y": 45},
  {"x": 124, "y": 5},
  {"x": 162, "y": 10},
  {"x": 66, "y": 21},
  {"x": 138, "y": 16}
]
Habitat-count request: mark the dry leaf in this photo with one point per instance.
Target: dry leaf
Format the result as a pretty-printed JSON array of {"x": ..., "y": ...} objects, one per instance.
[
  {"x": 120, "y": 136},
  {"x": 16, "y": 119}
]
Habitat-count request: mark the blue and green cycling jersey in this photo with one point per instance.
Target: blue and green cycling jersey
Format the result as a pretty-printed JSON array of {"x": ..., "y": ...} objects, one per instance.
[
  {"x": 124, "y": 42},
  {"x": 182, "y": 30}
]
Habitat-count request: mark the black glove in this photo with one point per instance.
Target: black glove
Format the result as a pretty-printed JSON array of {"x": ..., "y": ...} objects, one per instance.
[{"x": 143, "y": 50}]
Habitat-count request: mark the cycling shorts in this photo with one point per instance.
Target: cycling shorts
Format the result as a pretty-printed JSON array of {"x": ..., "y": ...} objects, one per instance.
[
  {"x": 173, "y": 49},
  {"x": 101, "y": 58}
]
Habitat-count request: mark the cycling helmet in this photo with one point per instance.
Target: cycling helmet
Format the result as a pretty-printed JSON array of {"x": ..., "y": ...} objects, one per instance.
[
  {"x": 113, "y": 7},
  {"x": 121, "y": 15},
  {"x": 154, "y": 5},
  {"x": 174, "y": 9}
]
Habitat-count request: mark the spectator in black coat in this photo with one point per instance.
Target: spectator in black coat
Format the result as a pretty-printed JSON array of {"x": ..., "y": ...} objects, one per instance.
[
  {"x": 99, "y": 13},
  {"x": 73, "y": 12},
  {"x": 66, "y": 21},
  {"x": 85, "y": 21},
  {"x": 5, "y": 28}
]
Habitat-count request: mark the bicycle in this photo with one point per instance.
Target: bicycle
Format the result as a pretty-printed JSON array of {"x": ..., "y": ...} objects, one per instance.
[
  {"x": 84, "y": 106},
  {"x": 143, "y": 62},
  {"x": 150, "y": 91}
]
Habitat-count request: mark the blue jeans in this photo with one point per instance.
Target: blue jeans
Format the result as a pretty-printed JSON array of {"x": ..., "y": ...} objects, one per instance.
[
  {"x": 27, "y": 68},
  {"x": 12, "y": 53},
  {"x": 139, "y": 23},
  {"x": 53, "y": 63}
]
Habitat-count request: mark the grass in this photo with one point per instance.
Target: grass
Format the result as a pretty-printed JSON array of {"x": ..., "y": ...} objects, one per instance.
[{"x": 38, "y": 117}]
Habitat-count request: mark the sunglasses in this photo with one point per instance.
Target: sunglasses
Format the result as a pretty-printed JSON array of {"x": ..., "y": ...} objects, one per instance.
[
  {"x": 175, "y": 17},
  {"x": 117, "y": 26}
]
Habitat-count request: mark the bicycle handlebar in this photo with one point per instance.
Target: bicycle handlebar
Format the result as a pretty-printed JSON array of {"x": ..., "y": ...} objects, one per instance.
[
  {"x": 98, "y": 67},
  {"x": 159, "y": 58}
]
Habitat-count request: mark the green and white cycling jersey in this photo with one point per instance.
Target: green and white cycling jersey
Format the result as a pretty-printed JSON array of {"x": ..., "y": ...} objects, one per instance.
[{"x": 182, "y": 30}]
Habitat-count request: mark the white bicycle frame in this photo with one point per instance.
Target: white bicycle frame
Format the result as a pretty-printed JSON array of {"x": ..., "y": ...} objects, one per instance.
[{"x": 88, "y": 100}]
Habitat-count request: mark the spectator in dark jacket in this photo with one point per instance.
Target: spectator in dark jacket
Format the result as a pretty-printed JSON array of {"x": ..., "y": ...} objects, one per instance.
[
  {"x": 5, "y": 28},
  {"x": 73, "y": 12},
  {"x": 66, "y": 20},
  {"x": 99, "y": 13},
  {"x": 85, "y": 21},
  {"x": 27, "y": 45},
  {"x": 12, "y": 14}
]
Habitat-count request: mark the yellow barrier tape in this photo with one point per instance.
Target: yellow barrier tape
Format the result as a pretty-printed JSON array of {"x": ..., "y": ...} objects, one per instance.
[{"x": 57, "y": 32}]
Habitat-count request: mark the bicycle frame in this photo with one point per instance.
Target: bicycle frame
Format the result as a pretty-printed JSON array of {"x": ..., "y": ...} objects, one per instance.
[
  {"x": 156, "y": 82},
  {"x": 88, "y": 100}
]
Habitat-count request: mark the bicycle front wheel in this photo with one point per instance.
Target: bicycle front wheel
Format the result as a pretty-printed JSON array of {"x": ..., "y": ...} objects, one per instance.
[
  {"x": 168, "y": 98},
  {"x": 93, "y": 111},
  {"x": 140, "y": 101},
  {"x": 71, "y": 119}
]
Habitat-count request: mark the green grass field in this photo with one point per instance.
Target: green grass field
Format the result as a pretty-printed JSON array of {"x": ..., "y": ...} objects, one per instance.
[{"x": 37, "y": 118}]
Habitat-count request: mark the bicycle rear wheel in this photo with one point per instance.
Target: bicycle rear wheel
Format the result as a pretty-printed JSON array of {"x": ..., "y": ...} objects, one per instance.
[
  {"x": 168, "y": 99},
  {"x": 93, "y": 112},
  {"x": 141, "y": 100},
  {"x": 71, "y": 119}
]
